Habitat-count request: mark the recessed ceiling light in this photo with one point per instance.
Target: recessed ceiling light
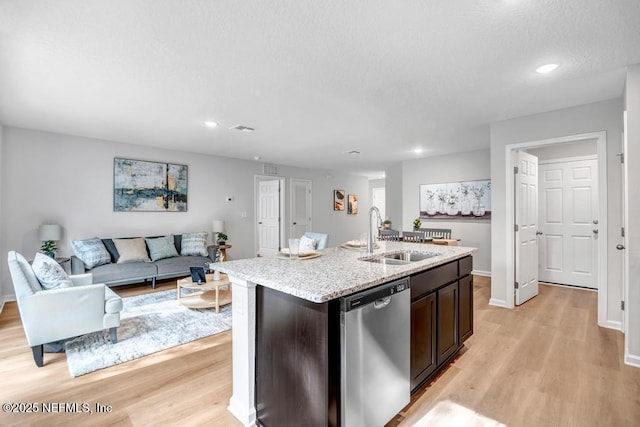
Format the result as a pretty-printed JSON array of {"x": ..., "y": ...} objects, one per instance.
[
  {"x": 210, "y": 124},
  {"x": 256, "y": 157},
  {"x": 418, "y": 150},
  {"x": 547, "y": 68}
]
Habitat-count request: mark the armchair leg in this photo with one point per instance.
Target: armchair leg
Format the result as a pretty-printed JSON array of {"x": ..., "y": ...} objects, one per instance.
[
  {"x": 153, "y": 283},
  {"x": 38, "y": 353},
  {"x": 113, "y": 335}
]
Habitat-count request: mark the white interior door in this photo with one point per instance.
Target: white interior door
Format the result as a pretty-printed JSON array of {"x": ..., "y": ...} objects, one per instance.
[
  {"x": 568, "y": 218},
  {"x": 268, "y": 217},
  {"x": 300, "y": 207},
  {"x": 526, "y": 220},
  {"x": 378, "y": 200}
]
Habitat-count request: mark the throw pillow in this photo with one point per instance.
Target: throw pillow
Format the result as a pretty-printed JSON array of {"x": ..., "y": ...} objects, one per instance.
[
  {"x": 161, "y": 247},
  {"x": 50, "y": 274},
  {"x": 91, "y": 251},
  {"x": 194, "y": 244},
  {"x": 131, "y": 250},
  {"x": 308, "y": 244}
]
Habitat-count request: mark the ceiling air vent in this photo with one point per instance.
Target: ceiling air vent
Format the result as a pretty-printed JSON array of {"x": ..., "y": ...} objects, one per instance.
[
  {"x": 269, "y": 169},
  {"x": 242, "y": 128}
]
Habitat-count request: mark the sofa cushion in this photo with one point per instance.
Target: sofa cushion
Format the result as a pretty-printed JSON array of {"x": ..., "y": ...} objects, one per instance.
[
  {"x": 169, "y": 267},
  {"x": 50, "y": 274},
  {"x": 131, "y": 250},
  {"x": 308, "y": 244},
  {"x": 161, "y": 247},
  {"x": 121, "y": 273},
  {"x": 91, "y": 251},
  {"x": 194, "y": 244}
]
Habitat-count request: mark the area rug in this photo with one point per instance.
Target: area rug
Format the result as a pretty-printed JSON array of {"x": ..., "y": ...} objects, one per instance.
[{"x": 149, "y": 323}]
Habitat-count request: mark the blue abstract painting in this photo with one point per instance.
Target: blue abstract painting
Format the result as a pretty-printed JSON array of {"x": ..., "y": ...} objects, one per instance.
[{"x": 144, "y": 186}]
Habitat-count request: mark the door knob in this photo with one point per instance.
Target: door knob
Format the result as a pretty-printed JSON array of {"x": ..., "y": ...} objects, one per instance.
[
  {"x": 620, "y": 247},
  {"x": 294, "y": 223},
  {"x": 539, "y": 233},
  {"x": 259, "y": 222},
  {"x": 595, "y": 221},
  {"x": 595, "y": 231}
]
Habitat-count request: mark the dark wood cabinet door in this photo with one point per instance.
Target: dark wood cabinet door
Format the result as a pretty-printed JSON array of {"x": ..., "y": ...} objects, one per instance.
[
  {"x": 423, "y": 338},
  {"x": 447, "y": 302},
  {"x": 466, "y": 307}
]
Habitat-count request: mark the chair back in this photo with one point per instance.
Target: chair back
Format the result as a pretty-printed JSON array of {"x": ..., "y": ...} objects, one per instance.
[
  {"x": 24, "y": 279},
  {"x": 389, "y": 235},
  {"x": 413, "y": 236},
  {"x": 322, "y": 238},
  {"x": 439, "y": 233}
]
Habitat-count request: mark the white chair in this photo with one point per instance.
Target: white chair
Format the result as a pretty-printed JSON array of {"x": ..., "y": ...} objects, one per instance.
[
  {"x": 321, "y": 238},
  {"x": 55, "y": 314}
]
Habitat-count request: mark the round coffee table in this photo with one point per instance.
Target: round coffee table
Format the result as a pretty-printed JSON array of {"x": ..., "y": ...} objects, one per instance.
[{"x": 210, "y": 295}]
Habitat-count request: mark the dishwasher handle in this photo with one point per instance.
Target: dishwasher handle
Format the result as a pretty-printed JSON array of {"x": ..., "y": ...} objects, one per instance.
[{"x": 382, "y": 303}]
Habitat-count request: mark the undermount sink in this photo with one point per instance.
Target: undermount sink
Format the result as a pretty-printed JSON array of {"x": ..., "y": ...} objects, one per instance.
[{"x": 399, "y": 258}]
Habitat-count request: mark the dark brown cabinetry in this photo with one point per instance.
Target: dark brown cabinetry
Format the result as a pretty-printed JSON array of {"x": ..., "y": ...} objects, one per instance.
[
  {"x": 441, "y": 316},
  {"x": 423, "y": 333}
]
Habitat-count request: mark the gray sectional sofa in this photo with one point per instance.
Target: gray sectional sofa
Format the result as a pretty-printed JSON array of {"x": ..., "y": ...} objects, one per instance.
[{"x": 113, "y": 274}]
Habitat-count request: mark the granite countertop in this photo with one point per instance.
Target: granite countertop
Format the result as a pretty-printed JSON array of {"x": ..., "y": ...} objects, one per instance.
[{"x": 338, "y": 271}]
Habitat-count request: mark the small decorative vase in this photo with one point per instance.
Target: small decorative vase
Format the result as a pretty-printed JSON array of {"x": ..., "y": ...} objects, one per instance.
[
  {"x": 465, "y": 207},
  {"x": 452, "y": 210},
  {"x": 51, "y": 255},
  {"x": 431, "y": 208},
  {"x": 478, "y": 210},
  {"x": 442, "y": 208}
]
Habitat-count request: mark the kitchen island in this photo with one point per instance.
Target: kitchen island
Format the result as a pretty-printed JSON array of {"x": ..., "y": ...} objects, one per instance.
[{"x": 286, "y": 315}]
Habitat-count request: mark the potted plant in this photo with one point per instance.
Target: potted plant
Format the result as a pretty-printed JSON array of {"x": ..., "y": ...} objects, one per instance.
[
  {"x": 49, "y": 248},
  {"x": 222, "y": 239},
  {"x": 386, "y": 224},
  {"x": 417, "y": 224}
]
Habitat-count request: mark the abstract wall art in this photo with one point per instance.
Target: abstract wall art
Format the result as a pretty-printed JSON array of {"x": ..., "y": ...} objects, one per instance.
[{"x": 142, "y": 186}]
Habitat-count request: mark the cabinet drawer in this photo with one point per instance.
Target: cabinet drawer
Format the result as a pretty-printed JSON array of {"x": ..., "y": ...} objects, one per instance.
[
  {"x": 430, "y": 280},
  {"x": 466, "y": 265}
]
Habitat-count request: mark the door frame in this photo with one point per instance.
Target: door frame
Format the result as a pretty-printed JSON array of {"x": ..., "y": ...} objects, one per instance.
[
  {"x": 510, "y": 149},
  {"x": 256, "y": 194}
]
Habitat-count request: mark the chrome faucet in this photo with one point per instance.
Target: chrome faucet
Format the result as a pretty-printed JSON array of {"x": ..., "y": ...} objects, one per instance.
[{"x": 370, "y": 236}]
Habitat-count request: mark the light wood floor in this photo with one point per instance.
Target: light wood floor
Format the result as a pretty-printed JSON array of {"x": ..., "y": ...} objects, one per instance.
[{"x": 543, "y": 364}]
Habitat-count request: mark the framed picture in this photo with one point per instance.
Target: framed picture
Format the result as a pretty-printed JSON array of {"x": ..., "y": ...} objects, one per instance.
[
  {"x": 338, "y": 200},
  {"x": 456, "y": 200},
  {"x": 141, "y": 186},
  {"x": 352, "y": 208}
]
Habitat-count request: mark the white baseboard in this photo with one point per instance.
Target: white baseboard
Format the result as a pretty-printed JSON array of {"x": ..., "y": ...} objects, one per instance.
[
  {"x": 499, "y": 303},
  {"x": 6, "y": 299},
  {"x": 481, "y": 273},
  {"x": 632, "y": 360},
  {"x": 248, "y": 418},
  {"x": 612, "y": 324}
]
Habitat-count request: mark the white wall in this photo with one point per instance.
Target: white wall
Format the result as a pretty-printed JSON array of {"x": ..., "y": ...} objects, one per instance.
[
  {"x": 467, "y": 166},
  {"x": 69, "y": 180},
  {"x": 601, "y": 116},
  {"x": 393, "y": 194},
  {"x": 2, "y": 263},
  {"x": 632, "y": 100},
  {"x": 563, "y": 151}
]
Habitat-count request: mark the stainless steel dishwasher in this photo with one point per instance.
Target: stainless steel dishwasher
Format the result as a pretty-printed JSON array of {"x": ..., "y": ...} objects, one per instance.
[{"x": 375, "y": 328}]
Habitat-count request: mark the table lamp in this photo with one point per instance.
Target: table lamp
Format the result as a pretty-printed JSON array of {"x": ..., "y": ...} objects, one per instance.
[
  {"x": 49, "y": 234},
  {"x": 218, "y": 227}
]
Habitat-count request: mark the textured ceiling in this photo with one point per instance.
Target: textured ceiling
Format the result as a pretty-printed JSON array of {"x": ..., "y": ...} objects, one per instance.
[{"x": 314, "y": 78}]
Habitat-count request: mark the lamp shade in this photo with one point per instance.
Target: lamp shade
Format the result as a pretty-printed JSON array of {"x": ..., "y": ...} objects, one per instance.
[
  {"x": 218, "y": 226},
  {"x": 50, "y": 232}
]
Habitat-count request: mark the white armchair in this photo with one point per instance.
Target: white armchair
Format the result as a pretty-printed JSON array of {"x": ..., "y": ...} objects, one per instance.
[{"x": 55, "y": 314}]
